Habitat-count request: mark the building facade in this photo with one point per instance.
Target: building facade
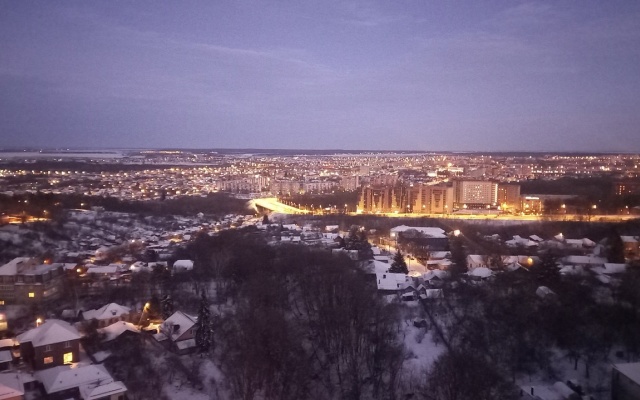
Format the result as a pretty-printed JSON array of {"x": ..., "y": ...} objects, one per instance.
[{"x": 25, "y": 280}]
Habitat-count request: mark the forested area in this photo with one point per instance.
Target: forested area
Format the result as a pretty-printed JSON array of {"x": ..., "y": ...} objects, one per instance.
[{"x": 52, "y": 205}]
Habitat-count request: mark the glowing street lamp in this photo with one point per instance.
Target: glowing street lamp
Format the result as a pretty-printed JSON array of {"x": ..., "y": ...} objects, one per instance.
[{"x": 38, "y": 321}]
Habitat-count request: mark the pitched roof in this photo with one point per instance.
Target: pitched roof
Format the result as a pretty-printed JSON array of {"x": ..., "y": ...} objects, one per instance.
[
  {"x": 178, "y": 318},
  {"x": 429, "y": 231},
  {"x": 50, "y": 332},
  {"x": 100, "y": 391},
  {"x": 11, "y": 386},
  {"x": 111, "y": 310},
  {"x": 630, "y": 370},
  {"x": 114, "y": 330},
  {"x": 64, "y": 377}
]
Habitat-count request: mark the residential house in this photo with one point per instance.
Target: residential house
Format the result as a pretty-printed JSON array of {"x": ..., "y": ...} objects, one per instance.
[
  {"x": 182, "y": 265},
  {"x": 625, "y": 381},
  {"x": 11, "y": 386},
  {"x": 119, "y": 329},
  {"x": 24, "y": 280},
  {"x": 480, "y": 273},
  {"x": 89, "y": 382},
  {"x": 108, "y": 314},
  {"x": 178, "y": 332},
  {"x": 53, "y": 343},
  {"x": 585, "y": 261},
  {"x": 476, "y": 261},
  {"x": 392, "y": 281}
]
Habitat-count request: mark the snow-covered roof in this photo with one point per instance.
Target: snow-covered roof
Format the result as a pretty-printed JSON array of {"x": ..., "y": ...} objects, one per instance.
[
  {"x": 26, "y": 266},
  {"x": 102, "y": 270},
  {"x": 109, "y": 311},
  {"x": 543, "y": 291},
  {"x": 50, "y": 332},
  {"x": 611, "y": 268},
  {"x": 535, "y": 238},
  {"x": 432, "y": 294},
  {"x": 11, "y": 268},
  {"x": 116, "y": 329},
  {"x": 630, "y": 370},
  {"x": 557, "y": 391},
  {"x": 572, "y": 270},
  {"x": 64, "y": 377},
  {"x": 585, "y": 260},
  {"x": 630, "y": 239},
  {"x": 439, "y": 255},
  {"x": 391, "y": 281},
  {"x": 481, "y": 272},
  {"x": 183, "y": 264},
  {"x": 11, "y": 386},
  {"x": 375, "y": 267},
  {"x": 100, "y": 391},
  {"x": 178, "y": 318},
  {"x": 429, "y": 231},
  {"x": 436, "y": 273}
]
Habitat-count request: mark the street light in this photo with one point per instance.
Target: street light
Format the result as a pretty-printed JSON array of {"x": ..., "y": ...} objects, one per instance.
[
  {"x": 144, "y": 309},
  {"x": 38, "y": 321}
]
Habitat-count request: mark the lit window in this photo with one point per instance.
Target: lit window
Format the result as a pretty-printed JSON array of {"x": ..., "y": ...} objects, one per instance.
[
  {"x": 1, "y": 302},
  {"x": 68, "y": 358},
  {"x": 48, "y": 360},
  {"x": 32, "y": 294}
]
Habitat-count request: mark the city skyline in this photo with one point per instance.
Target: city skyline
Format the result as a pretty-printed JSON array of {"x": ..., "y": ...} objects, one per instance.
[{"x": 498, "y": 76}]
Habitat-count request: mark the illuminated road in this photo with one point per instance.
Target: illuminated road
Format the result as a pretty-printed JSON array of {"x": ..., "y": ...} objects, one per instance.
[
  {"x": 272, "y": 204},
  {"x": 508, "y": 217}
]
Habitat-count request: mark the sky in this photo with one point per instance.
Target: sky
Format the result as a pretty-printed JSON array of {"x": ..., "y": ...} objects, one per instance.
[{"x": 371, "y": 75}]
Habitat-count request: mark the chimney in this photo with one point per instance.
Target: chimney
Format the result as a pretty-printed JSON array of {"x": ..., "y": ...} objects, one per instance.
[{"x": 531, "y": 390}]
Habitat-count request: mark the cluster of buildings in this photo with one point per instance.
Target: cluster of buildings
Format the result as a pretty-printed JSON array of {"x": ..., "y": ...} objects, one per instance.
[
  {"x": 448, "y": 197},
  {"x": 168, "y": 174}
]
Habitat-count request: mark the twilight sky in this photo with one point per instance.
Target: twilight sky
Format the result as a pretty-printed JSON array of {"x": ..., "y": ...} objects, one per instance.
[{"x": 379, "y": 75}]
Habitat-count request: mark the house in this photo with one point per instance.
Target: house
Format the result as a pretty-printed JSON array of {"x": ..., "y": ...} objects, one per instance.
[
  {"x": 11, "y": 386},
  {"x": 585, "y": 261},
  {"x": 428, "y": 238},
  {"x": 391, "y": 281},
  {"x": 117, "y": 330},
  {"x": 557, "y": 391},
  {"x": 476, "y": 261},
  {"x": 375, "y": 267},
  {"x": 178, "y": 332},
  {"x": 611, "y": 269},
  {"x": 435, "y": 277},
  {"x": 625, "y": 381},
  {"x": 26, "y": 281},
  {"x": 409, "y": 293},
  {"x": 108, "y": 314},
  {"x": 53, "y": 343},
  {"x": 480, "y": 273},
  {"x": 182, "y": 265},
  {"x": 89, "y": 382},
  {"x": 5, "y": 359}
]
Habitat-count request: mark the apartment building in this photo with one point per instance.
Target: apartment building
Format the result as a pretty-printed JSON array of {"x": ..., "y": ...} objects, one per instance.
[{"x": 25, "y": 280}]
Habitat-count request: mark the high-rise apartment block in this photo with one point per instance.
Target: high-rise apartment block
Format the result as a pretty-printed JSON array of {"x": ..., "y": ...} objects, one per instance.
[{"x": 440, "y": 198}]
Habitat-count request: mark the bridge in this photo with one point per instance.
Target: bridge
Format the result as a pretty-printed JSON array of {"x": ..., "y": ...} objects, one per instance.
[{"x": 272, "y": 204}]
